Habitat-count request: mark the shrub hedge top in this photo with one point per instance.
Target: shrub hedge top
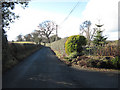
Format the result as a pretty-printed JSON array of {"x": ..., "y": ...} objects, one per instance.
[{"x": 75, "y": 43}]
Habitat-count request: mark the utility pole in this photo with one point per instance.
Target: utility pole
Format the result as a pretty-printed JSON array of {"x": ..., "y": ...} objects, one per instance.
[{"x": 56, "y": 32}]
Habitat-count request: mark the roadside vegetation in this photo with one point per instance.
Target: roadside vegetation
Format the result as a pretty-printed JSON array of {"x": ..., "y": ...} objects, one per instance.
[
  {"x": 8, "y": 16},
  {"x": 16, "y": 53},
  {"x": 24, "y": 42},
  {"x": 95, "y": 52},
  {"x": 89, "y": 60}
]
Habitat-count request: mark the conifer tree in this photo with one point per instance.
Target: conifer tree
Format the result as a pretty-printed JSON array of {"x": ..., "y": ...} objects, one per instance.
[{"x": 99, "y": 39}]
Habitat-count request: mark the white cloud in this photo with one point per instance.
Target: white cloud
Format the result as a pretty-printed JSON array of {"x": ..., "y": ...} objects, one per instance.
[
  {"x": 107, "y": 12},
  {"x": 69, "y": 27},
  {"x": 30, "y": 18}
]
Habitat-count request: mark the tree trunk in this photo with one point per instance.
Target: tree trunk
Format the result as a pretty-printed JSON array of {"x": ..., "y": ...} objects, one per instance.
[{"x": 48, "y": 39}]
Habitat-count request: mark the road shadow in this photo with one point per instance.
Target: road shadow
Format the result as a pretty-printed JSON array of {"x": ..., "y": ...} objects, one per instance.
[
  {"x": 91, "y": 78},
  {"x": 48, "y": 71}
]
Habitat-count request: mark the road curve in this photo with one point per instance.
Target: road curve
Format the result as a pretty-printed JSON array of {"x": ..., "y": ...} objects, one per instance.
[{"x": 44, "y": 70}]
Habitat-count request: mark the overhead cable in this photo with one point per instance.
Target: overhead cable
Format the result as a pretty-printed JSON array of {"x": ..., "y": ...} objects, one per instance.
[{"x": 70, "y": 13}]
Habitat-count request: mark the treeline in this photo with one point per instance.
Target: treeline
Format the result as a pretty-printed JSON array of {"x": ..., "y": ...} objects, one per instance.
[{"x": 35, "y": 37}]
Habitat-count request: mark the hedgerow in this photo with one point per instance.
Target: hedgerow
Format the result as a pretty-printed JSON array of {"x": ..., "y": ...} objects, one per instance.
[{"x": 17, "y": 53}]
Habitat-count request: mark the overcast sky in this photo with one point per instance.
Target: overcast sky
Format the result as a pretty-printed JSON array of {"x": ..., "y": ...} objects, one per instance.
[{"x": 93, "y": 10}]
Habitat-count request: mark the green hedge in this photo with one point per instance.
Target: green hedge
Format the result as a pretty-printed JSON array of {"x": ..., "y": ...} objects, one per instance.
[
  {"x": 58, "y": 45},
  {"x": 75, "y": 43}
]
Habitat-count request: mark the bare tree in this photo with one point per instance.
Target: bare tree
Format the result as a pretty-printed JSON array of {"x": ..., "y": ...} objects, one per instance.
[
  {"x": 46, "y": 29},
  {"x": 85, "y": 29}
]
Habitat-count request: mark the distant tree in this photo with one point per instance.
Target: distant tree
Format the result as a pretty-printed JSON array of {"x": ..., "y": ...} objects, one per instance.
[
  {"x": 46, "y": 29},
  {"x": 85, "y": 29},
  {"x": 28, "y": 37},
  {"x": 36, "y": 38},
  {"x": 12, "y": 40},
  {"x": 19, "y": 38}
]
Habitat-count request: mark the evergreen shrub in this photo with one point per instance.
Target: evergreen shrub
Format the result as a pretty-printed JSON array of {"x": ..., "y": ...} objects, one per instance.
[{"x": 74, "y": 44}]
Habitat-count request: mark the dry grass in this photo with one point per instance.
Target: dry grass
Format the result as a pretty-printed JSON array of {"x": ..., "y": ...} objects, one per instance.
[
  {"x": 58, "y": 46},
  {"x": 16, "y": 53},
  {"x": 24, "y": 42},
  {"x": 67, "y": 62},
  {"x": 96, "y": 69}
]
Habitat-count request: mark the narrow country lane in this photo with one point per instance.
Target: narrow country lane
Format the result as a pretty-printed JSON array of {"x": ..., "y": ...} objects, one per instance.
[{"x": 44, "y": 70}]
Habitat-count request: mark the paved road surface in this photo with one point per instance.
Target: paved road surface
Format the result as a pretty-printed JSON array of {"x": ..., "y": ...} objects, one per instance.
[{"x": 44, "y": 70}]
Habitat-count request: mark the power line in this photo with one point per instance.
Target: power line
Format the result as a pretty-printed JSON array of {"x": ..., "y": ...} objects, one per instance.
[
  {"x": 70, "y": 13},
  {"x": 67, "y": 17}
]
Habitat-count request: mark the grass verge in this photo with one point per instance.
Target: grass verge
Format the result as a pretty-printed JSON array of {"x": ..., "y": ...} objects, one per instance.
[
  {"x": 17, "y": 53},
  {"x": 74, "y": 64}
]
